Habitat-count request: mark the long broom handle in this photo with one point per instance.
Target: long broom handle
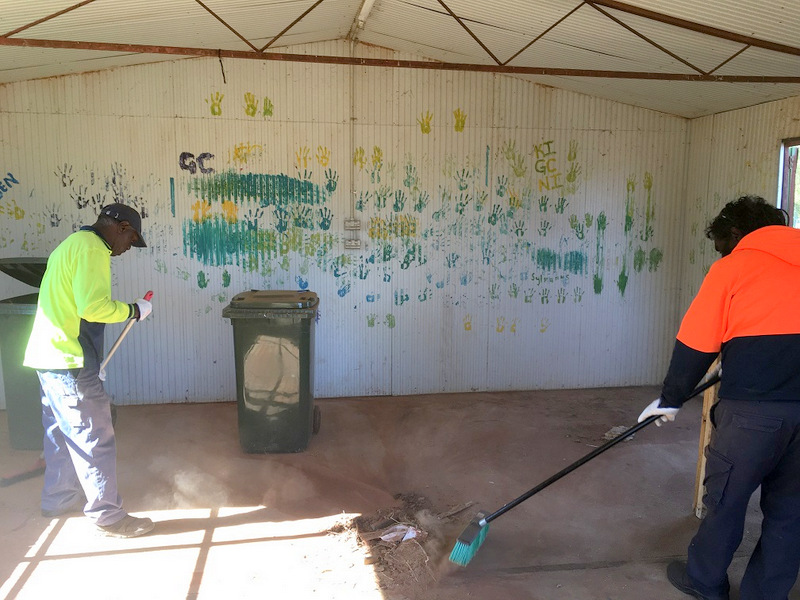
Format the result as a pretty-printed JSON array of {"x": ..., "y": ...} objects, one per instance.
[
  {"x": 713, "y": 380},
  {"x": 122, "y": 335}
]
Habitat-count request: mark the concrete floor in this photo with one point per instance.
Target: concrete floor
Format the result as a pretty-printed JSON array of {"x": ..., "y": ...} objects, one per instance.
[{"x": 236, "y": 525}]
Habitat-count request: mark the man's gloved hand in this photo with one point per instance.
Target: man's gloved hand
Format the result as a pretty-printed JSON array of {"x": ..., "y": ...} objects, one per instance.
[
  {"x": 144, "y": 308},
  {"x": 667, "y": 414}
]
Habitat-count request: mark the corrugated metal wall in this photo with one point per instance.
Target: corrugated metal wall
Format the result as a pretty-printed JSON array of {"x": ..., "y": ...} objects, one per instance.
[
  {"x": 731, "y": 154},
  {"x": 512, "y": 236}
]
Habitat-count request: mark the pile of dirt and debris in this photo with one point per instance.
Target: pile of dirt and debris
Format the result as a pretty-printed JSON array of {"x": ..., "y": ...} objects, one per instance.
[{"x": 409, "y": 544}]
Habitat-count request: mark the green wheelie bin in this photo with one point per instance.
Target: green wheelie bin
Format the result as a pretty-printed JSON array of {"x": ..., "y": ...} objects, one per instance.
[
  {"x": 273, "y": 339},
  {"x": 21, "y": 384}
]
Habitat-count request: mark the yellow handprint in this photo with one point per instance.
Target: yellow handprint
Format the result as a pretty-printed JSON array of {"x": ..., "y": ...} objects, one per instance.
[
  {"x": 425, "y": 122},
  {"x": 461, "y": 119}
]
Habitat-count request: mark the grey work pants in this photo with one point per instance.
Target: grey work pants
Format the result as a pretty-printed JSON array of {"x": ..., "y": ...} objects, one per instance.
[{"x": 79, "y": 445}]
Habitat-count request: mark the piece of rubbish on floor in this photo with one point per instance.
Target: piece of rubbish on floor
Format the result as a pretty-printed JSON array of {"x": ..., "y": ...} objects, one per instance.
[
  {"x": 615, "y": 432},
  {"x": 401, "y": 533}
]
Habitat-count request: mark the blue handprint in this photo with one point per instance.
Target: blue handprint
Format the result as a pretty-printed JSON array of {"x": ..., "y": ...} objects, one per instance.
[
  {"x": 325, "y": 217},
  {"x": 331, "y": 180},
  {"x": 399, "y": 200}
]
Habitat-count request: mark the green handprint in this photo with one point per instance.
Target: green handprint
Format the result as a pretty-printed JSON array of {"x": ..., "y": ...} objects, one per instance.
[
  {"x": 331, "y": 180},
  {"x": 518, "y": 166},
  {"x": 461, "y": 204},
  {"x": 411, "y": 179},
  {"x": 325, "y": 218},
  {"x": 462, "y": 179},
  {"x": 399, "y": 200},
  {"x": 543, "y": 202},
  {"x": 510, "y": 150},
  {"x": 422, "y": 201},
  {"x": 269, "y": 108},
  {"x": 573, "y": 150},
  {"x": 250, "y": 105},
  {"x": 574, "y": 171},
  {"x": 381, "y": 194},
  {"x": 639, "y": 257},
  {"x": 363, "y": 200},
  {"x": 502, "y": 184},
  {"x": 496, "y": 212},
  {"x": 544, "y": 227},
  {"x": 215, "y": 101},
  {"x": 576, "y": 226}
]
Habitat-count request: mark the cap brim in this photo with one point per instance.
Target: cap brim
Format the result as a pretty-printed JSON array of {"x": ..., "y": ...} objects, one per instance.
[{"x": 140, "y": 242}]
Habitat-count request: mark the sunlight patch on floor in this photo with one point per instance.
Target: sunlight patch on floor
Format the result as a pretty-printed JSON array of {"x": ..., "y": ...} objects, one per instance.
[{"x": 203, "y": 554}]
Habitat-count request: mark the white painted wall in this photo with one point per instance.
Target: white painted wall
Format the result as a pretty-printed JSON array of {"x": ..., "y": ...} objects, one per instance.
[{"x": 472, "y": 274}]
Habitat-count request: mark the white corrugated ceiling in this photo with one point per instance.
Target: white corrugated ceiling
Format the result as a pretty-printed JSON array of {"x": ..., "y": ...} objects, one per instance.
[{"x": 680, "y": 57}]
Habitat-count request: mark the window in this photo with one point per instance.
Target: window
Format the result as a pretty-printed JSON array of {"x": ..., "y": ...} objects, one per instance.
[{"x": 789, "y": 183}]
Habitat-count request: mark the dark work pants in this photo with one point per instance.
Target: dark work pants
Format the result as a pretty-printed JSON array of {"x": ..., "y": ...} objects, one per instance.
[{"x": 752, "y": 444}]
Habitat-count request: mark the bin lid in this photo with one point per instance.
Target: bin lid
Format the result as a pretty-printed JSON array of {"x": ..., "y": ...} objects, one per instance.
[
  {"x": 274, "y": 299},
  {"x": 28, "y": 270}
]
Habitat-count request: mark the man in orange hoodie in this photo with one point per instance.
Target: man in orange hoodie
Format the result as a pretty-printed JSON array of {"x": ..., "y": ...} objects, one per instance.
[{"x": 748, "y": 308}]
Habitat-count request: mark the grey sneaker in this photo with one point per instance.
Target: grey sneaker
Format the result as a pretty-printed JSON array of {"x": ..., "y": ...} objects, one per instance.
[{"x": 128, "y": 527}]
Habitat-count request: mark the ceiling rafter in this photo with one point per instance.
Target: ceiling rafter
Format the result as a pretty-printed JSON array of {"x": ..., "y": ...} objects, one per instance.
[
  {"x": 541, "y": 35},
  {"x": 290, "y": 25},
  {"x": 498, "y": 67},
  {"x": 218, "y": 18},
  {"x": 469, "y": 31},
  {"x": 729, "y": 59},
  {"x": 644, "y": 37},
  {"x": 405, "y": 64},
  {"x": 48, "y": 17},
  {"x": 698, "y": 27}
]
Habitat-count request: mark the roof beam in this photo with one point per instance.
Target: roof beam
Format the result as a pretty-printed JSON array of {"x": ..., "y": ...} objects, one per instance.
[
  {"x": 642, "y": 36},
  {"x": 698, "y": 27},
  {"x": 375, "y": 62},
  {"x": 469, "y": 31},
  {"x": 48, "y": 17},
  {"x": 290, "y": 25},
  {"x": 218, "y": 18}
]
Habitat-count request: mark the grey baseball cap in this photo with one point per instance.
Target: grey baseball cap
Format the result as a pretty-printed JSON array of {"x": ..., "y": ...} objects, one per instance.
[{"x": 123, "y": 212}]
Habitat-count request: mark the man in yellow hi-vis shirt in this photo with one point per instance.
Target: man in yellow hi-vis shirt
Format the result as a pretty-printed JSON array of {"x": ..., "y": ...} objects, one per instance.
[{"x": 66, "y": 349}]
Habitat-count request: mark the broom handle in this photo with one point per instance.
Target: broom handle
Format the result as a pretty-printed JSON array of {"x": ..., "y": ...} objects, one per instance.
[
  {"x": 597, "y": 451},
  {"x": 122, "y": 335}
]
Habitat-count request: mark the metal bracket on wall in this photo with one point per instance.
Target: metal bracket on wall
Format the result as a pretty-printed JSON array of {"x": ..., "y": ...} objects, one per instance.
[
  {"x": 353, "y": 244},
  {"x": 352, "y": 224}
]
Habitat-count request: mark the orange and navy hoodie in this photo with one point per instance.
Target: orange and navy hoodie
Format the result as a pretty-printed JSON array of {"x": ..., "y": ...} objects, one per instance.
[{"x": 748, "y": 308}]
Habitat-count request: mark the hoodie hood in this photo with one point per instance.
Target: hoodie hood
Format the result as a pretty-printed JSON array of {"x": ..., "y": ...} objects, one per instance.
[{"x": 778, "y": 240}]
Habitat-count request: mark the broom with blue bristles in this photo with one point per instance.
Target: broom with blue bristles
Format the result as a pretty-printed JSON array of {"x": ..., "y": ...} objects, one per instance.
[{"x": 474, "y": 534}]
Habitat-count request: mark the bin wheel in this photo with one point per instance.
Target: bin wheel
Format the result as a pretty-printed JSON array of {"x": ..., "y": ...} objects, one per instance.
[{"x": 317, "y": 420}]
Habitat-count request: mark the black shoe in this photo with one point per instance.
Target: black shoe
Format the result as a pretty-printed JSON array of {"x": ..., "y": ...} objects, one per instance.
[
  {"x": 128, "y": 527},
  {"x": 676, "y": 573}
]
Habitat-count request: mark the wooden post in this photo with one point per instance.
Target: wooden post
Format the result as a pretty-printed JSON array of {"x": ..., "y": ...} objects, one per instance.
[{"x": 710, "y": 397}]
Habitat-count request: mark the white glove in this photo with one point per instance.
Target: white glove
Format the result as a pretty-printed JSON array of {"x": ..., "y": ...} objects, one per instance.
[
  {"x": 145, "y": 308},
  {"x": 667, "y": 414}
]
